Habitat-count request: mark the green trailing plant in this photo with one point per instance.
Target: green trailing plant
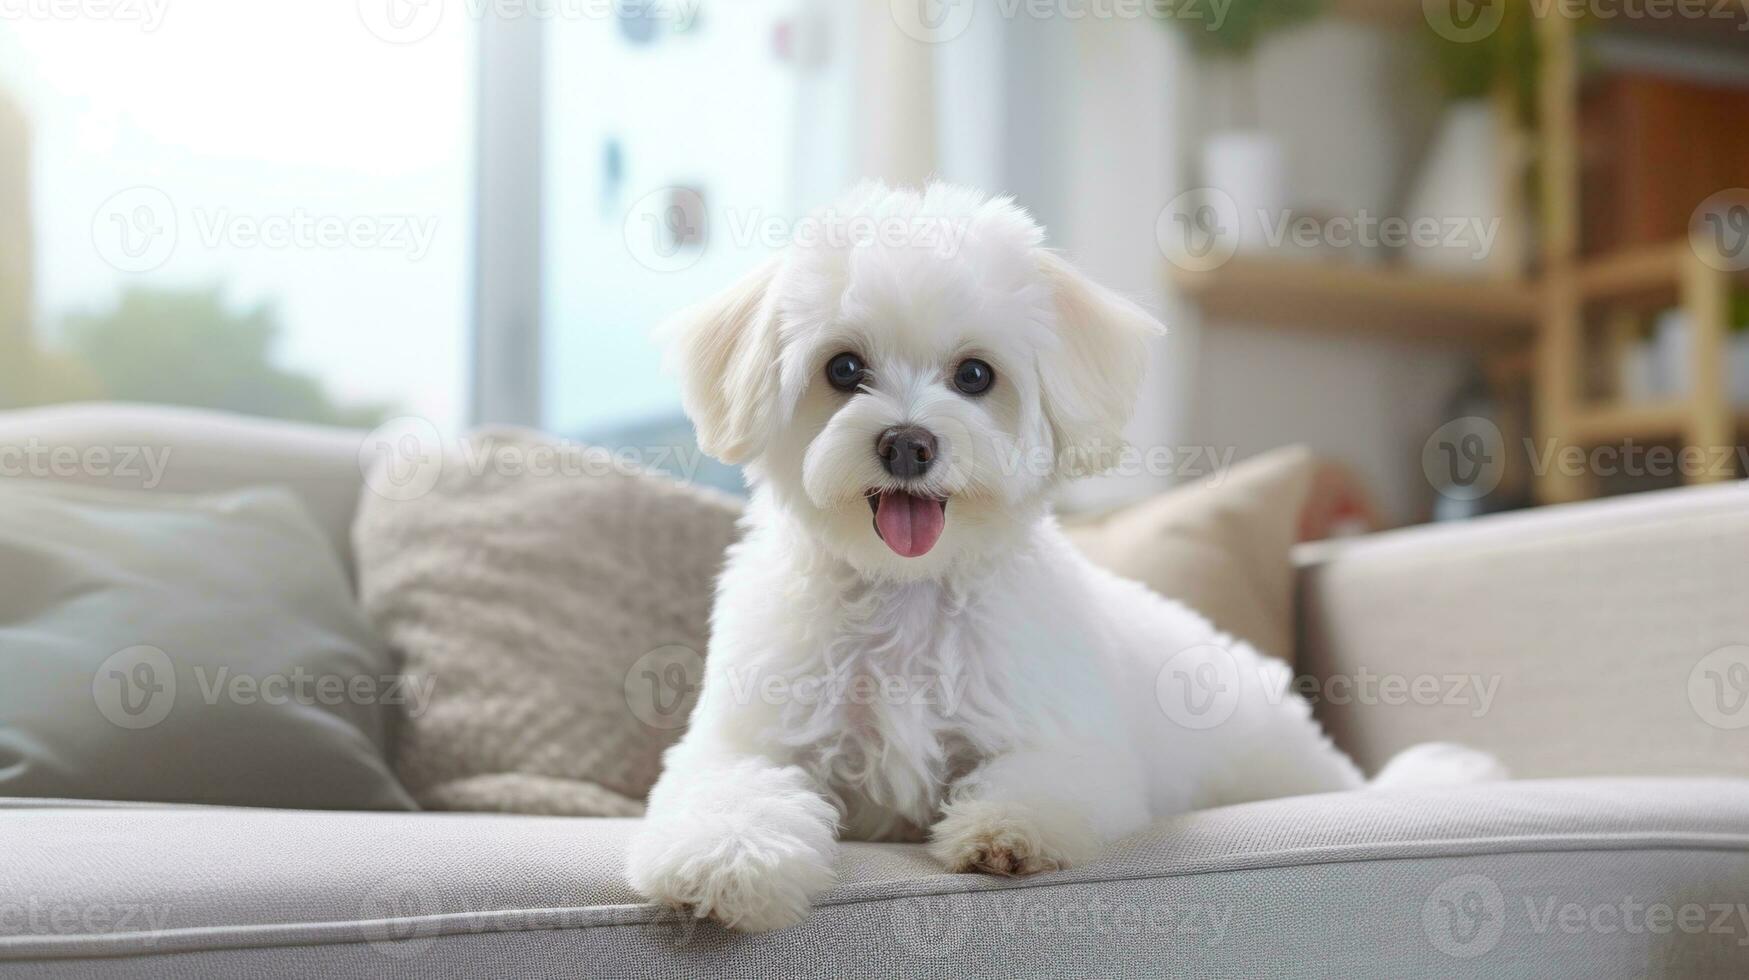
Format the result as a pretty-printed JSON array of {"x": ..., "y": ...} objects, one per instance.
[
  {"x": 1507, "y": 57},
  {"x": 1237, "y": 33},
  {"x": 1230, "y": 35}
]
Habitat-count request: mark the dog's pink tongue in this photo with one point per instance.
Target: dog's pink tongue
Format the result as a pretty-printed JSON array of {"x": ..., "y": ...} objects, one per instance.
[{"x": 909, "y": 524}]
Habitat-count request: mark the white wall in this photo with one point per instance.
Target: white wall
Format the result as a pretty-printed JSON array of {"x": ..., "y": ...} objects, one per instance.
[
  {"x": 1079, "y": 121},
  {"x": 1125, "y": 143},
  {"x": 1368, "y": 403},
  {"x": 1249, "y": 387},
  {"x": 1094, "y": 125},
  {"x": 1371, "y": 405}
]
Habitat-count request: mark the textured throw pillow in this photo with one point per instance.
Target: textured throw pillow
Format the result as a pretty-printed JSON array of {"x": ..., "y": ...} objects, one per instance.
[
  {"x": 556, "y": 602},
  {"x": 1221, "y": 545},
  {"x": 186, "y": 649}
]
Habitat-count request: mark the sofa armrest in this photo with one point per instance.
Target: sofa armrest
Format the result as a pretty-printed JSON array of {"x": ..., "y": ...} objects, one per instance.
[{"x": 1602, "y": 638}]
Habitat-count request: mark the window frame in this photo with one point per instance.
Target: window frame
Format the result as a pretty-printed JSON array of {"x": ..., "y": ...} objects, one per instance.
[{"x": 505, "y": 377}]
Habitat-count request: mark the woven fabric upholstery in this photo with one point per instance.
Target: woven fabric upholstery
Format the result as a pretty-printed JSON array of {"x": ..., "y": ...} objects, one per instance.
[{"x": 1474, "y": 881}]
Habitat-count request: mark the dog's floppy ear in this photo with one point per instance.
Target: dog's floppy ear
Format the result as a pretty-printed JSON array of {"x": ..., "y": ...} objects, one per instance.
[
  {"x": 725, "y": 350},
  {"x": 1089, "y": 384}
]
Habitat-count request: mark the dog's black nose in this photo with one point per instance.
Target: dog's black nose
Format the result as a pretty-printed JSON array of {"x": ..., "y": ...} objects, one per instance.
[{"x": 906, "y": 450}]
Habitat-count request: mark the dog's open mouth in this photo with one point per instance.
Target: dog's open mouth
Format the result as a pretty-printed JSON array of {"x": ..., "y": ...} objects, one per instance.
[{"x": 909, "y": 524}]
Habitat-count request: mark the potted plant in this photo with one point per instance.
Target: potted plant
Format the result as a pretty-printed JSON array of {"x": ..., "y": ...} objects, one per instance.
[
  {"x": 1478, "y": 163},
  {"x": 1240, "y": 158}
]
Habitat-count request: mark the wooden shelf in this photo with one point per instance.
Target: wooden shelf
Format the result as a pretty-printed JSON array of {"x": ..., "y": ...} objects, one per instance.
[
  {"x": 1646, "y": 273},
  {"x": 1352, "y": 298},
  {"x": 1646, "y": 422},
  {"x": 1643, "y": 421}
]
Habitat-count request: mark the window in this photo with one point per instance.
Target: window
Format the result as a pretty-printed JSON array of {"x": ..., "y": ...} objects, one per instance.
[
  {"x": 677, "y": 143},
  {"x": 662, "y": 141},
  {"x": 243, "y": 206}
]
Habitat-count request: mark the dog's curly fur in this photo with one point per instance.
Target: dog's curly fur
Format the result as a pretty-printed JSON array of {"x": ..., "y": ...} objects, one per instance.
[{"x": 998, "y": 695}]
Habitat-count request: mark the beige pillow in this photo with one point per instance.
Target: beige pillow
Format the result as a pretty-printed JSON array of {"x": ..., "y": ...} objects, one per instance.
[
  {"x": 1219, "y": 545},
  {"x": 557, "y": 602}
]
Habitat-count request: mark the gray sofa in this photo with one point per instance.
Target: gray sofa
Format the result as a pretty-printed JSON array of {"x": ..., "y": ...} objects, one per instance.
[{"x": 1569, "y": 641}]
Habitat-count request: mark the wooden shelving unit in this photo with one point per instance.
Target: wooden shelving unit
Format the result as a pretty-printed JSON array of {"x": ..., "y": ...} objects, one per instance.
[
  {"x": 1574, "y": 288},
  {"x": 1538, "y": 325}
]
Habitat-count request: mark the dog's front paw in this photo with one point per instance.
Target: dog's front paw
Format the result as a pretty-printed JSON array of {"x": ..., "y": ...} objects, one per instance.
[
  {"x": 1010, "y": 839},
  {"x": 746, "y": 877}
]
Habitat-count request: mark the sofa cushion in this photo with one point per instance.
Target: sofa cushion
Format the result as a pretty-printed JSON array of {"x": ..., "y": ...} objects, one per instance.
[
  {"x": 1637, "y": 877},
  {"x": 557, "y": 602},
  {"x": 186, "y": 648},
  {"x": 1221, "y": 545}
]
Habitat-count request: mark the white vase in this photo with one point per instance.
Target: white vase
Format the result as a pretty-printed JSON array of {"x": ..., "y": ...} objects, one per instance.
[
  {"x": 1641, "y": 377},
  {"x": 1246, "y": 165},
  {"x": 1345, "y": 100},
  {"x": 1671, "y": 345},
  {"x": 1460, "y": 216}
]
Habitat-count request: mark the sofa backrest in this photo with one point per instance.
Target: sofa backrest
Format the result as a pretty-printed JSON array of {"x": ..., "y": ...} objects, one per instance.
[
  {"x": 178, "y": 450},
  {"x": 1589, "y": 639}
]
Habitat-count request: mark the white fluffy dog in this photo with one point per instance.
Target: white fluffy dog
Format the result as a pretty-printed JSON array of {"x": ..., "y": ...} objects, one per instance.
[{"x": 946, "y": 668}]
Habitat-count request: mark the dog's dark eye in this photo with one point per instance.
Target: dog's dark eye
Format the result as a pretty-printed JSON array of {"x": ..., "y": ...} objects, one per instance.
[
  {"x": 845, "y": 371},
  {"x": 974, "y": 377}
]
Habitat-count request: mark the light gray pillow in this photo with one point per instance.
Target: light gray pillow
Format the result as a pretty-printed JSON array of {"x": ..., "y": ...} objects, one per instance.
[
  {"x": 200, "y": 649},
  {"x": 558, "y": 602}
]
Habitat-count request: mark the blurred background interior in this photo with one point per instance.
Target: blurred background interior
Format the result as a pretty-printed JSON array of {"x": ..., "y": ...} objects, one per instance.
[{"x": 1361, "y": 219}]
